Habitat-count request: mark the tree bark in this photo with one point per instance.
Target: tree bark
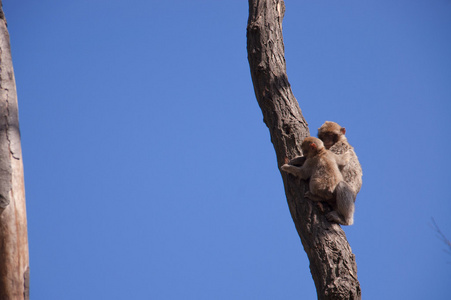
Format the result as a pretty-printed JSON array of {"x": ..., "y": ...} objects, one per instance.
[
  {"x": 14, "y": 269},
  {"x": 332, "y": 263}
]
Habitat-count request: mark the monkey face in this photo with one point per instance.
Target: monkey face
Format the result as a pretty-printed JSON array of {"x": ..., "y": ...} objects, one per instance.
[
  {"x": 329, "y": 139},
  {"x": 330, "y": 133}
]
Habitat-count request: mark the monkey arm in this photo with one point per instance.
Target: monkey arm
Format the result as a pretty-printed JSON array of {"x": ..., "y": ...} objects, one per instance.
[
  {"x": 304, "y": 173},
  {"x": 306, "y": 170},
  {"x": 343, "y": 159},
  {"x": 297, "y": 161},
  {"x": 301, "y": 172}
]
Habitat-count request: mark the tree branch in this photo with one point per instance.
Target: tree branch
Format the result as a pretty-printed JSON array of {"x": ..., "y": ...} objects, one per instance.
[
  {"x": 332, "y": 263},
  {"x": 14, "y": 269}
]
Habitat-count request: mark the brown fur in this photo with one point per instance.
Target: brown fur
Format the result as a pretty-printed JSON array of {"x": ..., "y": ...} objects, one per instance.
[
  {"x": 326, "y": 180},
  {"x": 334, "y": 139}
]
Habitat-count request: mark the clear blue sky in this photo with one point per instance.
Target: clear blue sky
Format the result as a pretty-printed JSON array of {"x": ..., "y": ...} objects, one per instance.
[{"x": 150, "y": 173}]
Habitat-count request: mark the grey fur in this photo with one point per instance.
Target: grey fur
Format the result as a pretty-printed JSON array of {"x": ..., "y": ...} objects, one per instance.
[{"x": 352, "y": 171}]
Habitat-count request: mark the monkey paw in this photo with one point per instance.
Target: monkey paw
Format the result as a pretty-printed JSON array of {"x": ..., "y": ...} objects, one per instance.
[{"x": 287, "y": 168}]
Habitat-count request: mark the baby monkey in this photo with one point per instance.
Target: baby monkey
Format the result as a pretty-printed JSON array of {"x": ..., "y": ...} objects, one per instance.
[{"x": 326, "y": 181}]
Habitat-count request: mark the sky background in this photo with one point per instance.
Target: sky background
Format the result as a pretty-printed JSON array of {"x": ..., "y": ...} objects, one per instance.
[{"x": 149, "y": 171}]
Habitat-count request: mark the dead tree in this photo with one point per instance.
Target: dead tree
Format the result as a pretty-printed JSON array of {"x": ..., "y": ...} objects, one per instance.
[
  {"x": 332, "y": 263},
  {"x": 14, "y": 270}
]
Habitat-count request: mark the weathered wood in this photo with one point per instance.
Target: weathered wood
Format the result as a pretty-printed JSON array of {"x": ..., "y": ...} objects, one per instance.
[
  {"x": 14, "y": 269},
  {"x": 332, "y": 263}
]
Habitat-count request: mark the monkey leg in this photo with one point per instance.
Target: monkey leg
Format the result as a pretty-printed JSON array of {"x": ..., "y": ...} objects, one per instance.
[
  {"x": 335, "y": 217},
  {"x": 344, "y": 207}
]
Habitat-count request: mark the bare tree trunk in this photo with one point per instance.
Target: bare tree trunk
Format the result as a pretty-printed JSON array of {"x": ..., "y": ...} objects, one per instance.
[
  {"x": 332, "y": 263},
  {"x": 14, "y": 270}
]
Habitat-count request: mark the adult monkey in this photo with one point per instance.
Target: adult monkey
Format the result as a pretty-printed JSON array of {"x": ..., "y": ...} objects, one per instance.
[{"x": 334, "y": 139}]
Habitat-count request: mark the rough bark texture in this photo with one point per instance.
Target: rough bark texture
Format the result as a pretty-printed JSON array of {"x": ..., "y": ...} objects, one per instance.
[
  {"x": 14, "y": 269},
  {"x": 332, "y": 263}
]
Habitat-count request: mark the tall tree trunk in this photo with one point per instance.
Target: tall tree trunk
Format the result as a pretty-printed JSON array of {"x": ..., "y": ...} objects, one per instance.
[
  {"x": 14, "y": 270},
  {"x": 332, "y": 263}
]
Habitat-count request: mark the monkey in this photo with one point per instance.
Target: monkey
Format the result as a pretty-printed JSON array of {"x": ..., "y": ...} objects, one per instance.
[
  {"x": 334, "y": 139},
  {"x": 326, "y": 181}
]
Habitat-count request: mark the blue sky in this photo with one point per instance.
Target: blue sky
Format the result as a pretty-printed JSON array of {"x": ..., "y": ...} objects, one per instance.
[{"x": 150, "y": 174}]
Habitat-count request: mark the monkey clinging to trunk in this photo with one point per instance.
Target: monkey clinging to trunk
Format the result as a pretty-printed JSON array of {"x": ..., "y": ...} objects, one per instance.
[{"x": 326, "y": 181}]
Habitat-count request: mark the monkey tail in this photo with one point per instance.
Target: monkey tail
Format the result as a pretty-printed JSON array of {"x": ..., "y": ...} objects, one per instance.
[{"x": 345, "y": 202}]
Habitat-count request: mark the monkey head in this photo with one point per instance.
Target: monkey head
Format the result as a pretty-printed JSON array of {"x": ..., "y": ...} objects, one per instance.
[
  {"x": 330, "y": 133},
  {"x": 311, "y": 146}
]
